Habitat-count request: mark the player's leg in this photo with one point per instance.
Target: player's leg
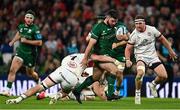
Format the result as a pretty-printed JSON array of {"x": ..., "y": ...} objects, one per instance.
[
  {"x": 46, "y": 83},
  {"x": 49, "y": 81},
  {"x": 97, "y": 72},
  {"x": 99, "y": 90},
  {"x": 111, "y": 81},
  {"x": 138, "y": 81},
  {"x": 31, "y": 73},
  {"x": 30, "y": 67},
  {"x": 121, "y": 68},
  {"x": 113, "y": 70},
  {"x": 15, "y": 66},
  {"x": 161, "y": 77},
  {"x": 68, "y": 83}
]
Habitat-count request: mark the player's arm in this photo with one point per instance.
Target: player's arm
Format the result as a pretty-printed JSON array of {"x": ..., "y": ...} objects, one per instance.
[
  {"x": 37, "y": 42},
  {"x": 16, "y": 38},
  {"x": 128, "y": 51},
  {"x": 123, "y": 37},
  {"x": 31, "y": 42},
  {"x": 164, "y": 59},
  {"x": 165, "y": 42},
  {"x": 91, "y": 44},
  {"x": 121, "y": 43},
  {"x": 103, "y": 58},
  {"x": 99, "y": 90}
]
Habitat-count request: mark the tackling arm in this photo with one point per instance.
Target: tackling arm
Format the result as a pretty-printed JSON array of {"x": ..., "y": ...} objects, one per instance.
[
  {"x": 102, "y": 58},
  {"x": 91, "y": 44}
]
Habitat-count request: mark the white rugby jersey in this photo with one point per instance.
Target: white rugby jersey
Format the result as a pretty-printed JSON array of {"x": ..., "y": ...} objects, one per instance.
[
  {"x": 144, "y": 42},
  {"x": 72, "y": 63}
]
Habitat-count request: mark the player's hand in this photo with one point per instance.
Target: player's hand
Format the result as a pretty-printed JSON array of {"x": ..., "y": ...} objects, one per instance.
[
  {"x": 23, "y": 40},
  {"x": 11, "y": 43},
  {"x": 173, "y": 55},
  {"x": 128, "y": 63},
  {"x": 114, "y": 45},
  {"x": 84, "y": 62}
]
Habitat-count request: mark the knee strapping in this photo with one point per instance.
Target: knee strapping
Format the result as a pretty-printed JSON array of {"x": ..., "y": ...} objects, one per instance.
[
  {"x": 140, "y": 77},
  {"x": 143, "y": 69},
  {"x": 44, "y": 85}
]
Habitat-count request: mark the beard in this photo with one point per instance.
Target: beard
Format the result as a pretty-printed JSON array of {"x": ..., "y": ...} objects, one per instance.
[{"x": 109, "y": 24}]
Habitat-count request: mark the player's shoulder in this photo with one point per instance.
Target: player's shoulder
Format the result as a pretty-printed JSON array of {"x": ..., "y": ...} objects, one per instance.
[
  {"x": 119, "y": 23},
  {"x": 35, "y": 26},
  {"x": 149, "y": 27},
  {"x": 100, "y": 24},
  {"x": 133, "y": 33},
  {"x": 21, "y": 24}
]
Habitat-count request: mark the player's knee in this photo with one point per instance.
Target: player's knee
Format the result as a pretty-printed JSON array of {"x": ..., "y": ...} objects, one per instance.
[
  {"x": 12, "y": 71},
  {"x": 119, "y": 74},
  {"x": 43, "y": 86},
  {"x": 140, "y": 71},
  {"x": 35, "y": 76},
  {"x": 164, "y": 77}
]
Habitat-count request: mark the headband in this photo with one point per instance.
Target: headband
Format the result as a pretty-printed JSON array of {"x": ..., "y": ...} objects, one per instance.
[
  {"x": 139, "y": 20},
  {"x": 29, "y": 15}
]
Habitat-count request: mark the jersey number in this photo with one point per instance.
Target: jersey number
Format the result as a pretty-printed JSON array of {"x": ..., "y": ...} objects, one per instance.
[{"x": 73, "y": 57}]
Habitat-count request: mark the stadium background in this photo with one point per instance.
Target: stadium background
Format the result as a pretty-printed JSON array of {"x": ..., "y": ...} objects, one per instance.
[{"x": 64, "y": 25}]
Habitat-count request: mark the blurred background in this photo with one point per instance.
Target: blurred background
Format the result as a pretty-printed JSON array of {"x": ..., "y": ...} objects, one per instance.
[{"x": 64, "y": 25}]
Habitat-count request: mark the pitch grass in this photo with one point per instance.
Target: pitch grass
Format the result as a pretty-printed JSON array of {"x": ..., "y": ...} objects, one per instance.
[{"x": 124, "y": 103}]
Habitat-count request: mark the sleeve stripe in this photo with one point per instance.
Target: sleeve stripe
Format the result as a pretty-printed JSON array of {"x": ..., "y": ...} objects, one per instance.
[
  {"x": 130, "y": 43},
  {"x": 159, "y": 36},
  {"x": 94, "y": 35}
]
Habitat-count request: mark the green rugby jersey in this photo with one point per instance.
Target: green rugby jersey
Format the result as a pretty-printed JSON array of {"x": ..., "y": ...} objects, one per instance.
[
  {"x": 121, "y": 29},
  {"x": 31, "y": 33},
  {"x": 104, "y": 34}
]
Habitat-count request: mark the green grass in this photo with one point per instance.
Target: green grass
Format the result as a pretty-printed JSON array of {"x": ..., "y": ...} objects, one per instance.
[{"x": 124, "y": 103}]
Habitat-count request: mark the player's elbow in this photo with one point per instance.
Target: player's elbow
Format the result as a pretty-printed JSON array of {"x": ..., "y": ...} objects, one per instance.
[{"x": 39, "y": 43}]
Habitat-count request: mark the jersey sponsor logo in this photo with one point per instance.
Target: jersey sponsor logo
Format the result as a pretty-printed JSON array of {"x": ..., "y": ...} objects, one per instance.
[
  {"x": 21, "y": 30},
  {"x": 39, "y": 36},
  {"x": 37, "y": 32},
  {"x": 29, "y": 64},
  {"x": 72, "y": 64},
  {"x": 145, "y": 42},
  {"x": 149, "y": 33},
  {"x": 103, "y": 33},
  {"x": 29, "y": 31}
]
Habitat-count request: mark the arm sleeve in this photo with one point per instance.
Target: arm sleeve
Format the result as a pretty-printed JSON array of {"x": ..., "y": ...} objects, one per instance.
[
  {"x": 157, "y": 34},
  {"x": 37, "y": 35},
  {"x": 132, "y": 39},
  {"x": 19, "y": 27},
  {"x": 95, "y": 32}
]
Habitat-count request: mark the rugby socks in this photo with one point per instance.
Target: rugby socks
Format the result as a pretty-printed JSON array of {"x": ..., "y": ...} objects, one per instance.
[
  {"x": 9, "y": 85},
  {"x": 38, "y": 81},
  {"x": 20, "y": 98},
  {"x": 85, "y": 84},
  {"x": 111, "y": 81},
  {"x": 118, "y": 88},
  {"x": 153, "y": 82},
  {"x": 138, "y": 93}
]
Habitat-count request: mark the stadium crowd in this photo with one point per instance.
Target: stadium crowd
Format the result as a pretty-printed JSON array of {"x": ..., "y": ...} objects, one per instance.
[{"x": 64, "y": 25}]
